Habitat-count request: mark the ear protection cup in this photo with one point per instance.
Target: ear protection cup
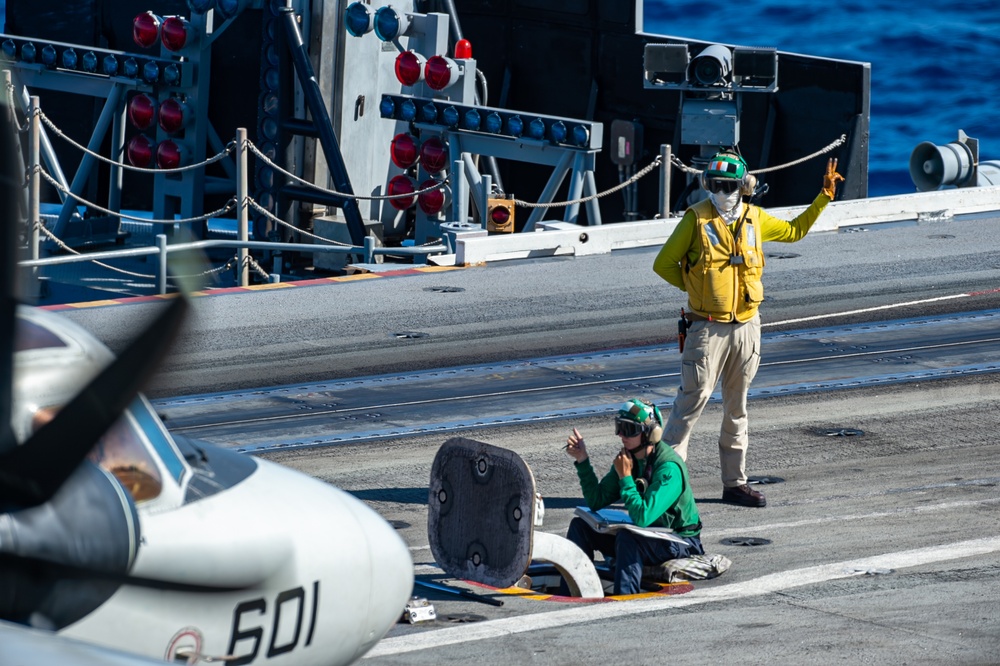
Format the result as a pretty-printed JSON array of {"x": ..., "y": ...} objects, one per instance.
[{"x": 656, "y": 432}]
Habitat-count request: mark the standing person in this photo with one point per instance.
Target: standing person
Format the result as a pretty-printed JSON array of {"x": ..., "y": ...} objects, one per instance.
[
  {"x": 715, "y": 254},
  {"x": 664, "y": 500}
]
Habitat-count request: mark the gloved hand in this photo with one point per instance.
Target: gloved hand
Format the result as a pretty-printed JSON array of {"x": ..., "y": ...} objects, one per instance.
[{"x": 831, "y": 178}]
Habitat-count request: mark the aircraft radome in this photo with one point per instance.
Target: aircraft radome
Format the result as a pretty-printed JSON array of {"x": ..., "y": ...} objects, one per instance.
[{"x": 222, "y": 555}]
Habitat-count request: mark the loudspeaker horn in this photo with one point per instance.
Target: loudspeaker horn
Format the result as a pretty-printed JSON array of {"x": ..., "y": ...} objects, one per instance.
[{"x": 933, "y": 167}]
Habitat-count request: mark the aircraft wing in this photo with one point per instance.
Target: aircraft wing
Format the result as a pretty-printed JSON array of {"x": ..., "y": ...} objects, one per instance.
[{"x": 23, "y": 645}]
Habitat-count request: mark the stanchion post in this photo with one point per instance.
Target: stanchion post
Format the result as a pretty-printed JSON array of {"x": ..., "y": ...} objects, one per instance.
[
  {"x": 161, "y": 273},
  {"x": 34, "y": 186},
  {"x": 243, "y": 269},
  {"x": 665, "y": 173}
]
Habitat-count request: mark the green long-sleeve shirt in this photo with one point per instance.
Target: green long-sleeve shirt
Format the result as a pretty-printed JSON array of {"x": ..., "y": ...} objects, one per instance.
[{"x": 668, "y": 501}]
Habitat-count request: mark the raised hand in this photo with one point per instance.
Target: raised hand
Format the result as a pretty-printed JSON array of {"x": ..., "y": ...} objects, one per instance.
[{"x": 831, "y": 178}]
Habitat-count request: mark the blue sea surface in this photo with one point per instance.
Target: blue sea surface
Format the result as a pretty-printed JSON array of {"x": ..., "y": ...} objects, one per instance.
[{"x": 935, "y": 66}]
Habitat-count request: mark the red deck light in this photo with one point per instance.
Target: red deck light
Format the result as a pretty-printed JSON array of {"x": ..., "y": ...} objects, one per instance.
[
  {"x": 173, "y": 115},
  {"x": 410, "y": 68},
  {"x": 146, "y": 30},
  {"x": 140, "y": 151},
  {"x": 175, "y": 33},
  {"x": 142, "y": 111},
  {"x": 401, "y": 185},
  {"x": 403, "y": 151},
  {"x": 463, "y": 49},
  {"x": 440, "y": 72},
  {"x": 169, "y": 155},
  {"x": 433, "y": 155},
  {"x": 432, "y": 201}
]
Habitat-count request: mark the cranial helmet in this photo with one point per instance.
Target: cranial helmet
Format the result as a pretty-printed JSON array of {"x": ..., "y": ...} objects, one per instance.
[
  {"x": 728, "y": 165},
  {"x": 646, "y": 415}
]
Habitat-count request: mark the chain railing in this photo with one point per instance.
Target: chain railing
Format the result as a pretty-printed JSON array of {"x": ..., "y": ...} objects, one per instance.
[{"x": 242, "y": 203}]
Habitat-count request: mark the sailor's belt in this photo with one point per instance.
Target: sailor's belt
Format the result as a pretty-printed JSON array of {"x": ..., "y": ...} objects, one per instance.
[{"x": 694, "y": 316}]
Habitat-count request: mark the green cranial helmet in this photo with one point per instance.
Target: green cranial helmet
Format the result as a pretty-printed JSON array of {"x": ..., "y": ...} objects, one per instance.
[
  {"x": 636, "y": 410},
  {"x": 726, "y": 165}
]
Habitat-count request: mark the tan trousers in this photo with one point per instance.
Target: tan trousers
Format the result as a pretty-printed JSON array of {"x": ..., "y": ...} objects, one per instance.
[{"x": 713, "y": 350}]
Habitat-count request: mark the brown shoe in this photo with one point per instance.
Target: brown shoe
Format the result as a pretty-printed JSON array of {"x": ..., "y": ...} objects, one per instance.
[{"x": 744, "y": 496}]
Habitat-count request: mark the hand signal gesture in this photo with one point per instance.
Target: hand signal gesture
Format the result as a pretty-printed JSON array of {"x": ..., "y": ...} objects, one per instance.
[
  {"x": 575, "y": 446},
  {"x": 831, "y": 178}
]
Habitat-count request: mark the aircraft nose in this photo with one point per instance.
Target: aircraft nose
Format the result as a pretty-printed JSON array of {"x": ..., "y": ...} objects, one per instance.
[{"x": 392, "y": 579}]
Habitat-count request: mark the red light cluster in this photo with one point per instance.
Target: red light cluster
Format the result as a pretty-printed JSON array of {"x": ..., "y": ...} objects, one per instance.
[{"x": 174, "y": 32}]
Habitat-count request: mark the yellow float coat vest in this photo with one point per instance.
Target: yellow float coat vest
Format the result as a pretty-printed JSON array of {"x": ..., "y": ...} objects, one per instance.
[{"x": 716, "y": 286}]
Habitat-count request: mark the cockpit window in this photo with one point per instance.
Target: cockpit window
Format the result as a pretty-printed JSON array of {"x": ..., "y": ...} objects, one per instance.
[
  {"x": 29, "y": 335},
  {"x": 123, "y": 450}
]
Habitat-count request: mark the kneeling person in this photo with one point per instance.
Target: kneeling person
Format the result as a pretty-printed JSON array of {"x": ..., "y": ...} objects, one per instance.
[{"x": 651, "y": 480}]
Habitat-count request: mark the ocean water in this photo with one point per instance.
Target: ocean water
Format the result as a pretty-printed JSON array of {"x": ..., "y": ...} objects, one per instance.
[{"x": 935, "y": 66}]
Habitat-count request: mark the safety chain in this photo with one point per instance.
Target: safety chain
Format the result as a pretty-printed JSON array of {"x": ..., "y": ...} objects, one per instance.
[
  {"x": 230, "y": 205},
  {"x": 62, "y": 245},
  {"x": 620, "y": 186},
  {"x": 256, "y": 267},
  {"x": 269, "y": 215},
  {"x": 41, "y": 227},
  {"x": 13, "y": 114},
  {"x": 374, "y": 197},
  {"x": 830, "y": 146},
  {"x": 228, "y": 150}
]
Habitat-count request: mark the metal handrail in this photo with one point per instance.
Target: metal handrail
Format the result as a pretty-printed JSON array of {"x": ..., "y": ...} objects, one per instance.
[{"x": 370, "y": 251}]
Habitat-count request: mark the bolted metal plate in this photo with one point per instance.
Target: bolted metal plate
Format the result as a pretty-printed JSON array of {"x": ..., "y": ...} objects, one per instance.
[
  {"x": 781, "y": 255},
  {"x": 461, "y": 618},
  {"x": 764, "y": 480},
  {"x": 480, "y": 512},
  {"x": 409, "y": 335},
  {"x": 745, "y": 541},
  {"x": 445, "y": 290},
  {"x": 840, "y": 432},
  {"x": 870, "y": 572}
]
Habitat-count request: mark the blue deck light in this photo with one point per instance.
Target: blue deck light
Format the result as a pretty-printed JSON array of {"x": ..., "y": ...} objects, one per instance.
[
  {"x": 358, "y": 19},
  {"x": 450, "y": 116},
  {"x": 515, "y": 126},
  {"x": 69, "y": 59},
  {"x": 557, "y": 132},
  {"x": 130, "y": 68},
  {"x": 429, "y": 113},
  {"x": 110, "y": 65},
  {"x": 9, "y": 49},
  {"x": 90, "y": 62},
  {"x": 387, "y": 107},
  {"x": 472, "y": 120},
  {"x": 49, "y": 55},
  {"x": 579, "y": 135},
  {"x": 150, "y": 72},
  {"x": 390, "y": 24},
  {"x": 28, "y": 52},
  {"x": 407, "y": 110},
  {"x": 494, "y": 123},
  {"x": 536, "y": 129}
]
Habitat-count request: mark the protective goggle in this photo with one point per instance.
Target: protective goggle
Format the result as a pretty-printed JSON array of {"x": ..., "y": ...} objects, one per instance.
[
  {"x": 626, "y": 428},
  {"x": 722, "y": 185}
]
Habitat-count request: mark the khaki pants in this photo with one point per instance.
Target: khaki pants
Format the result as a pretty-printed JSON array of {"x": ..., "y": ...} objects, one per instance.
[{"x": 713, "y": 349}]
